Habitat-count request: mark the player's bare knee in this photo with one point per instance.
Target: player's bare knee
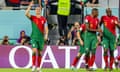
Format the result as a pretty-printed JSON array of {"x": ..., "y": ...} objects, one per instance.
[
  {"x": 105, "y": 50},
  {"x": 79, "y": 55},
  {"x": 34, "y": 50},
  {"x": 111, "y": 53},
  {"x": 94, "y": 51},
  {"x": 39, "y": 53}
]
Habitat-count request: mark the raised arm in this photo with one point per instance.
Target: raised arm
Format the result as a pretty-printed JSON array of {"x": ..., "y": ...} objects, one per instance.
[
  {"x": 40, "y": 2},
  {"x": 69, "y": 33},
  {"x": 46, "y": 31},
  {"x": 27, "y": 12}
]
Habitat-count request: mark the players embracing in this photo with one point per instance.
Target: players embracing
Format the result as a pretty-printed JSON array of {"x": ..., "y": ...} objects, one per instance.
[
  {"x": 87, "y": 36},
  {"x": 90, "y": 41}
]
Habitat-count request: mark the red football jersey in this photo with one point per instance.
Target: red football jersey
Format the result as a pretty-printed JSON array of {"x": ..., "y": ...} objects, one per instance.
[
  {"x": 109, "y": 23},
  {"x": 40, "y": 22},
  {"x": 93, "y": 22}
]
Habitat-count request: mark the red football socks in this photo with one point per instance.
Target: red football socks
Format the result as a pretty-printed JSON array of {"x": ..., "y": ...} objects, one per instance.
[
  {"x": 39, "y": 61},
  {"x": 91, "y": 61},
  {"x": 86, "y": 60},
  {"x": 111, "y": 61},
  {"x": 33, "y": 60},
  {"x": 106, "y": 60},
  {"x": 75, "y": 61}
]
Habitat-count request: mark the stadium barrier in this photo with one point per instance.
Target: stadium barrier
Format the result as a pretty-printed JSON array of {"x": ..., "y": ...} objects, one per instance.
[{"x": 53, "y": 57}]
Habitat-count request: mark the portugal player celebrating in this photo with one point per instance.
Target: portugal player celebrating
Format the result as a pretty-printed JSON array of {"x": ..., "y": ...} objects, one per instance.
[
  {"x": 109, "y": 36},
  {"x": 39, "y": 33},
  {"x": 80, "y": 37},
  {"x": 91, "y": 41}
]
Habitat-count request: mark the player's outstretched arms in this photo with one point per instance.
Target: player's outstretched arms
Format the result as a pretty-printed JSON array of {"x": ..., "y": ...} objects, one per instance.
[
  {"x": 27, "y": 12},
  {"x": 40, "y": 3}
]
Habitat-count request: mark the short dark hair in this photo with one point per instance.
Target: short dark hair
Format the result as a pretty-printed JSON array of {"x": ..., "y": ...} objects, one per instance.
[
  {"x": 108, "y": 9},
  {"x": 94, "y": 9},
  {"x": 38, "y": 7},
  {"x": 6, "y": 36}
]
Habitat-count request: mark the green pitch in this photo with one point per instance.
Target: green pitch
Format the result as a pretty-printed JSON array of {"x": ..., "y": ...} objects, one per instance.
[{"x": 53, "y": 70}]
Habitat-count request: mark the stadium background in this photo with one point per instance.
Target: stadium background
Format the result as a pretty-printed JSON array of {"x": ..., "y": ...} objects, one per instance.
[{"x": 13, "y": 21}]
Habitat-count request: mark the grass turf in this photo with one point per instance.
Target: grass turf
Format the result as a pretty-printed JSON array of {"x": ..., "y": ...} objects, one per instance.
[{"x": 53, "y": 70}]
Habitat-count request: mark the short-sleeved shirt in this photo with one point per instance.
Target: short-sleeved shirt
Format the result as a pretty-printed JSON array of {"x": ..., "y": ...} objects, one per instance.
[
  {"x": 109, "y": 23},
  {"x": 82, "y": 30},
  {"x": 38, "y": 25},
  {"x": 82, "y": 27},
  {"x": 93, "y": 22}
]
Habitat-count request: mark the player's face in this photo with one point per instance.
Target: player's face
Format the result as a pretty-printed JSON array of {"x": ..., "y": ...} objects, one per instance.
[
  {"x": 76, "y": 25},
  {"x": 38, "y": 10},
  {"x": 95, "y": 13},
  {"x": 108, "y": 12}
]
